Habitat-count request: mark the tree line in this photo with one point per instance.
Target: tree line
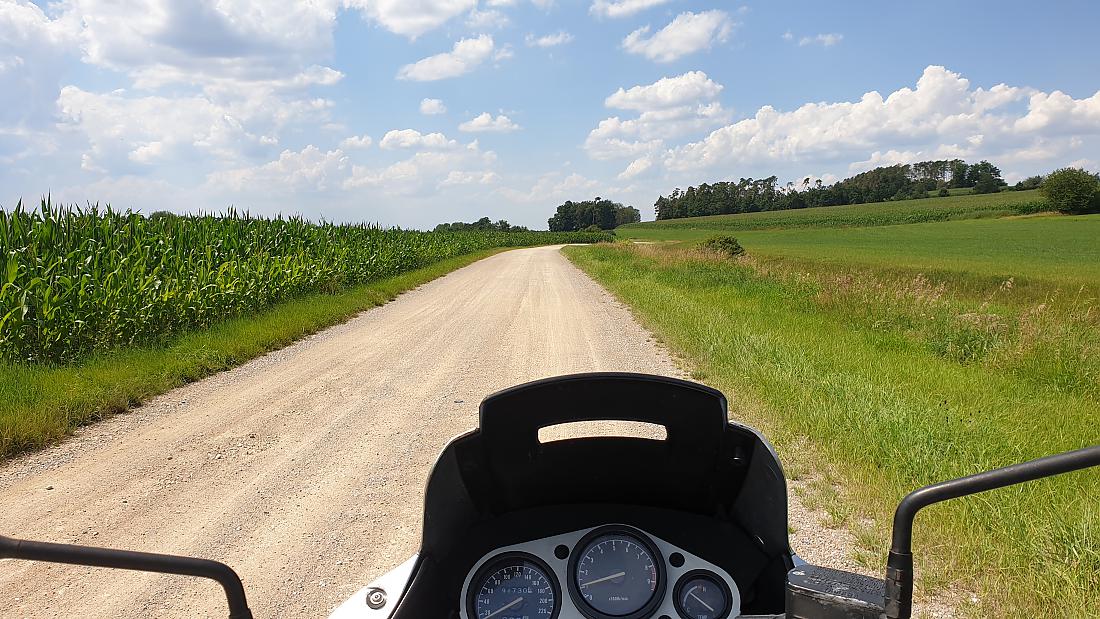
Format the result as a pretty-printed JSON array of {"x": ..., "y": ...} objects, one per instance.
[
  {"x": 592, "y": 214},
  {"x": 480, "y": 225},
  {"x": 896, "y": 182}
]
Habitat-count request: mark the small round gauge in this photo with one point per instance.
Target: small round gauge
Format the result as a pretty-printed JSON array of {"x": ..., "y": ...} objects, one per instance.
[
  {"x": 702, "y": 595},
  {"x": 616, "y": 572},
  {"x": 514, "y": 586}
]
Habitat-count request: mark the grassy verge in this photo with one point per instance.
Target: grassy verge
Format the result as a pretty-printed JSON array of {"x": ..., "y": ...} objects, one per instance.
[
  {"x": 893, "y": 391},
  {"x": 41, "y": 404}
]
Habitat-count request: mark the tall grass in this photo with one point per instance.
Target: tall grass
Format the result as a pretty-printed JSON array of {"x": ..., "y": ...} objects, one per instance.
[
  {"x": 74, "y": 281},
  {"x": 899, "y": 381}
]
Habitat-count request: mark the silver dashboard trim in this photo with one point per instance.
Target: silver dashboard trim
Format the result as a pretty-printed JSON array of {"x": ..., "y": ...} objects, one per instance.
[{"x": 544, "y": 549}]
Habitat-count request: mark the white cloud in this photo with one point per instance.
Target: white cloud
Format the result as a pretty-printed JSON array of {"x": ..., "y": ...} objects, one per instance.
[
  {"x": 412, "y": 18},
  {"x": 636, "y": 167},
  {"x": 431, "y": 107},
  {"x": 356, "y": 142},
  {"x": 466, "y": 55},
  {"x": 550, "y": 40},
  {"x": 486, "y": 20},
  {"x": 788, "y": 36},
  {"x": 123, "y": 131},
  {"x": 622, "y": 8},
  {"x": 413, "y": 139},
  {"x": 485, "y": 122},
  {"x": 827, "y": 39},
  {"x": 687, "y": 34},
  {"x": 553, "y": 187},
  {"x": 669, "y": 107},
  {"x": 194, "y": 42},
  {"x": 309, "y": 169},
  {"x": 504, "y": 53},
  {"x": 428, "y": 170},
  {"x": 459, "y": 177},
  {"x": 238, "y": 75},
  {"x": 32, "y": 50},
  {"x": 942, "y": 117},
  {"x": 667, "y": 92}
]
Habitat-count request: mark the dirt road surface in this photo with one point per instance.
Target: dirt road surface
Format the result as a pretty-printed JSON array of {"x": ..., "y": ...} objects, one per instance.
[{"x": 304, "y": 469}]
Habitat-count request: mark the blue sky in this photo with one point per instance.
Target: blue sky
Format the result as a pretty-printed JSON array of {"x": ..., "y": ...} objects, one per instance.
[{"x": 413, "y": 112}]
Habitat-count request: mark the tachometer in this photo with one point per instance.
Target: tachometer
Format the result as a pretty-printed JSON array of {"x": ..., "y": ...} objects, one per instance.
[
  {"x": 616, "y": 573},
  {"x": 514, "y": 586}
]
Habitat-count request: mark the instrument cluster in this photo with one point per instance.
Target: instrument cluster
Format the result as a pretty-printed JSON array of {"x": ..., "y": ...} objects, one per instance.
[{"x": 606, "y": 572}]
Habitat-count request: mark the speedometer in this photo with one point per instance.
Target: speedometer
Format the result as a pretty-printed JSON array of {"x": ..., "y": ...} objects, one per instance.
[
  {"x": 616, "y": 573},
  {"x": 515, "y": 585}
]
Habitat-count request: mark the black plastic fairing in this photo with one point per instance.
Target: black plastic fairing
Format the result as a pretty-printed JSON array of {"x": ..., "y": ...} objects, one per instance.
[{"x": 713, "y": 487}]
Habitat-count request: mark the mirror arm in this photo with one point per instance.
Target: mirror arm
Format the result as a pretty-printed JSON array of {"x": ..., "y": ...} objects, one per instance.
[
  {"x": 899, "y": 566},
  {"x": 11, "y": 548}
]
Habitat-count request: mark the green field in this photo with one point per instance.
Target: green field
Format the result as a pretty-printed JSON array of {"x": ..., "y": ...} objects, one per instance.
[
  {"x": 1062, "y": 249},
  {"x": 876, "y": 214},
  {"x": 884, "y": 358}
]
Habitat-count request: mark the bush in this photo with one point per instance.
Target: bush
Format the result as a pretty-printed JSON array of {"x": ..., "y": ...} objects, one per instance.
[
  {"x": 943, "y": 192},
  {"x": 593, "y": 228},
  {"x": 1072, "y": 190},
  {"x": 724, "y": 244}
]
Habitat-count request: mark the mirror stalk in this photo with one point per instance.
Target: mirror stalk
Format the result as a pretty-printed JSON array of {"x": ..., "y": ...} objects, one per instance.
[{"x": 899, "y": 566}]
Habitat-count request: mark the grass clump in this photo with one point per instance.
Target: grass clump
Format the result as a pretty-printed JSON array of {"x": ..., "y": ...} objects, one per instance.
[{"x": 724, "y": 244}]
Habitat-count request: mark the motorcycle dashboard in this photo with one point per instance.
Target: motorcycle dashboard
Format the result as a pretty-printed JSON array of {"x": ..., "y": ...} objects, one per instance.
[{"x": 609, "y": 571}]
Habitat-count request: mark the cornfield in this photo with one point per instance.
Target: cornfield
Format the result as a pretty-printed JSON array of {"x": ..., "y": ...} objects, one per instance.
[{"x": 78, "y": 281}]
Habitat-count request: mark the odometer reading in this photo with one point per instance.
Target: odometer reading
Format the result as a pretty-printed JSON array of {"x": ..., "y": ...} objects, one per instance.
[
  {"x": 514, "y": 587},
  {"x": 617, "y": 575}
]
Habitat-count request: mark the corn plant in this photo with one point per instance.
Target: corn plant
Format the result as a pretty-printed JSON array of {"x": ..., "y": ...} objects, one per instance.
[{"x": 77, "y": 281}]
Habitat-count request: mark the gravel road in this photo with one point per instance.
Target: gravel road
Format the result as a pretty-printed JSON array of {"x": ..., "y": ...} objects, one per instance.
[{"x": 304, "y": 469}]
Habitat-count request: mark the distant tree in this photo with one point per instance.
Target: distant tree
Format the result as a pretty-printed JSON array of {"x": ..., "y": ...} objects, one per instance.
[
  {"x": 627, "y": 215},
  {"x": 943, "y": 192},
  {"x": 1031, "y": 182},
  {"x": 482, "y": 224},
  {"x": 1072, "y": 190},
  {"x": 986, "y": 183},
  {"x": 604, "y": 214},
  {"x": 958, "y": 171},
  {"x": 896, "y": 182},
  {"x": 984, "y": 177}
]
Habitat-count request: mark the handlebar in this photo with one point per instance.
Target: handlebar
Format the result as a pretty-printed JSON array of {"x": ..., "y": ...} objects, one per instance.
[{"x": 11, "y": 548}]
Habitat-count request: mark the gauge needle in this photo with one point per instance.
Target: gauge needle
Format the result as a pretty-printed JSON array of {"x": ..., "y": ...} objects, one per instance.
[
  {"x": 700, "y": 600},
  {"x": 503, "y": 608},
  {"x": 604, "y": 579}
]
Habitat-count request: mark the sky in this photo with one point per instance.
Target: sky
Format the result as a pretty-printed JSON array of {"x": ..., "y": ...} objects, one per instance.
[{"x": 414, "y": 112}]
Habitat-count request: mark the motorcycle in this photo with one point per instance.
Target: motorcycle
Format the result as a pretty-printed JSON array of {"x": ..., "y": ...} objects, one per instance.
[{"x": 691, "y": 526}]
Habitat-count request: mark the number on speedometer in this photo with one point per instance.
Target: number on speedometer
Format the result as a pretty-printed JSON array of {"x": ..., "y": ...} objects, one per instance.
[{"x": 514, "y": 586}]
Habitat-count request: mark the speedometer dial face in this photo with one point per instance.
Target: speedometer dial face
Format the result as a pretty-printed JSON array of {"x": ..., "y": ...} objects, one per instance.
[
  {"x": 514, "y": 586},
  {"x": 616, "y": 573}
]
